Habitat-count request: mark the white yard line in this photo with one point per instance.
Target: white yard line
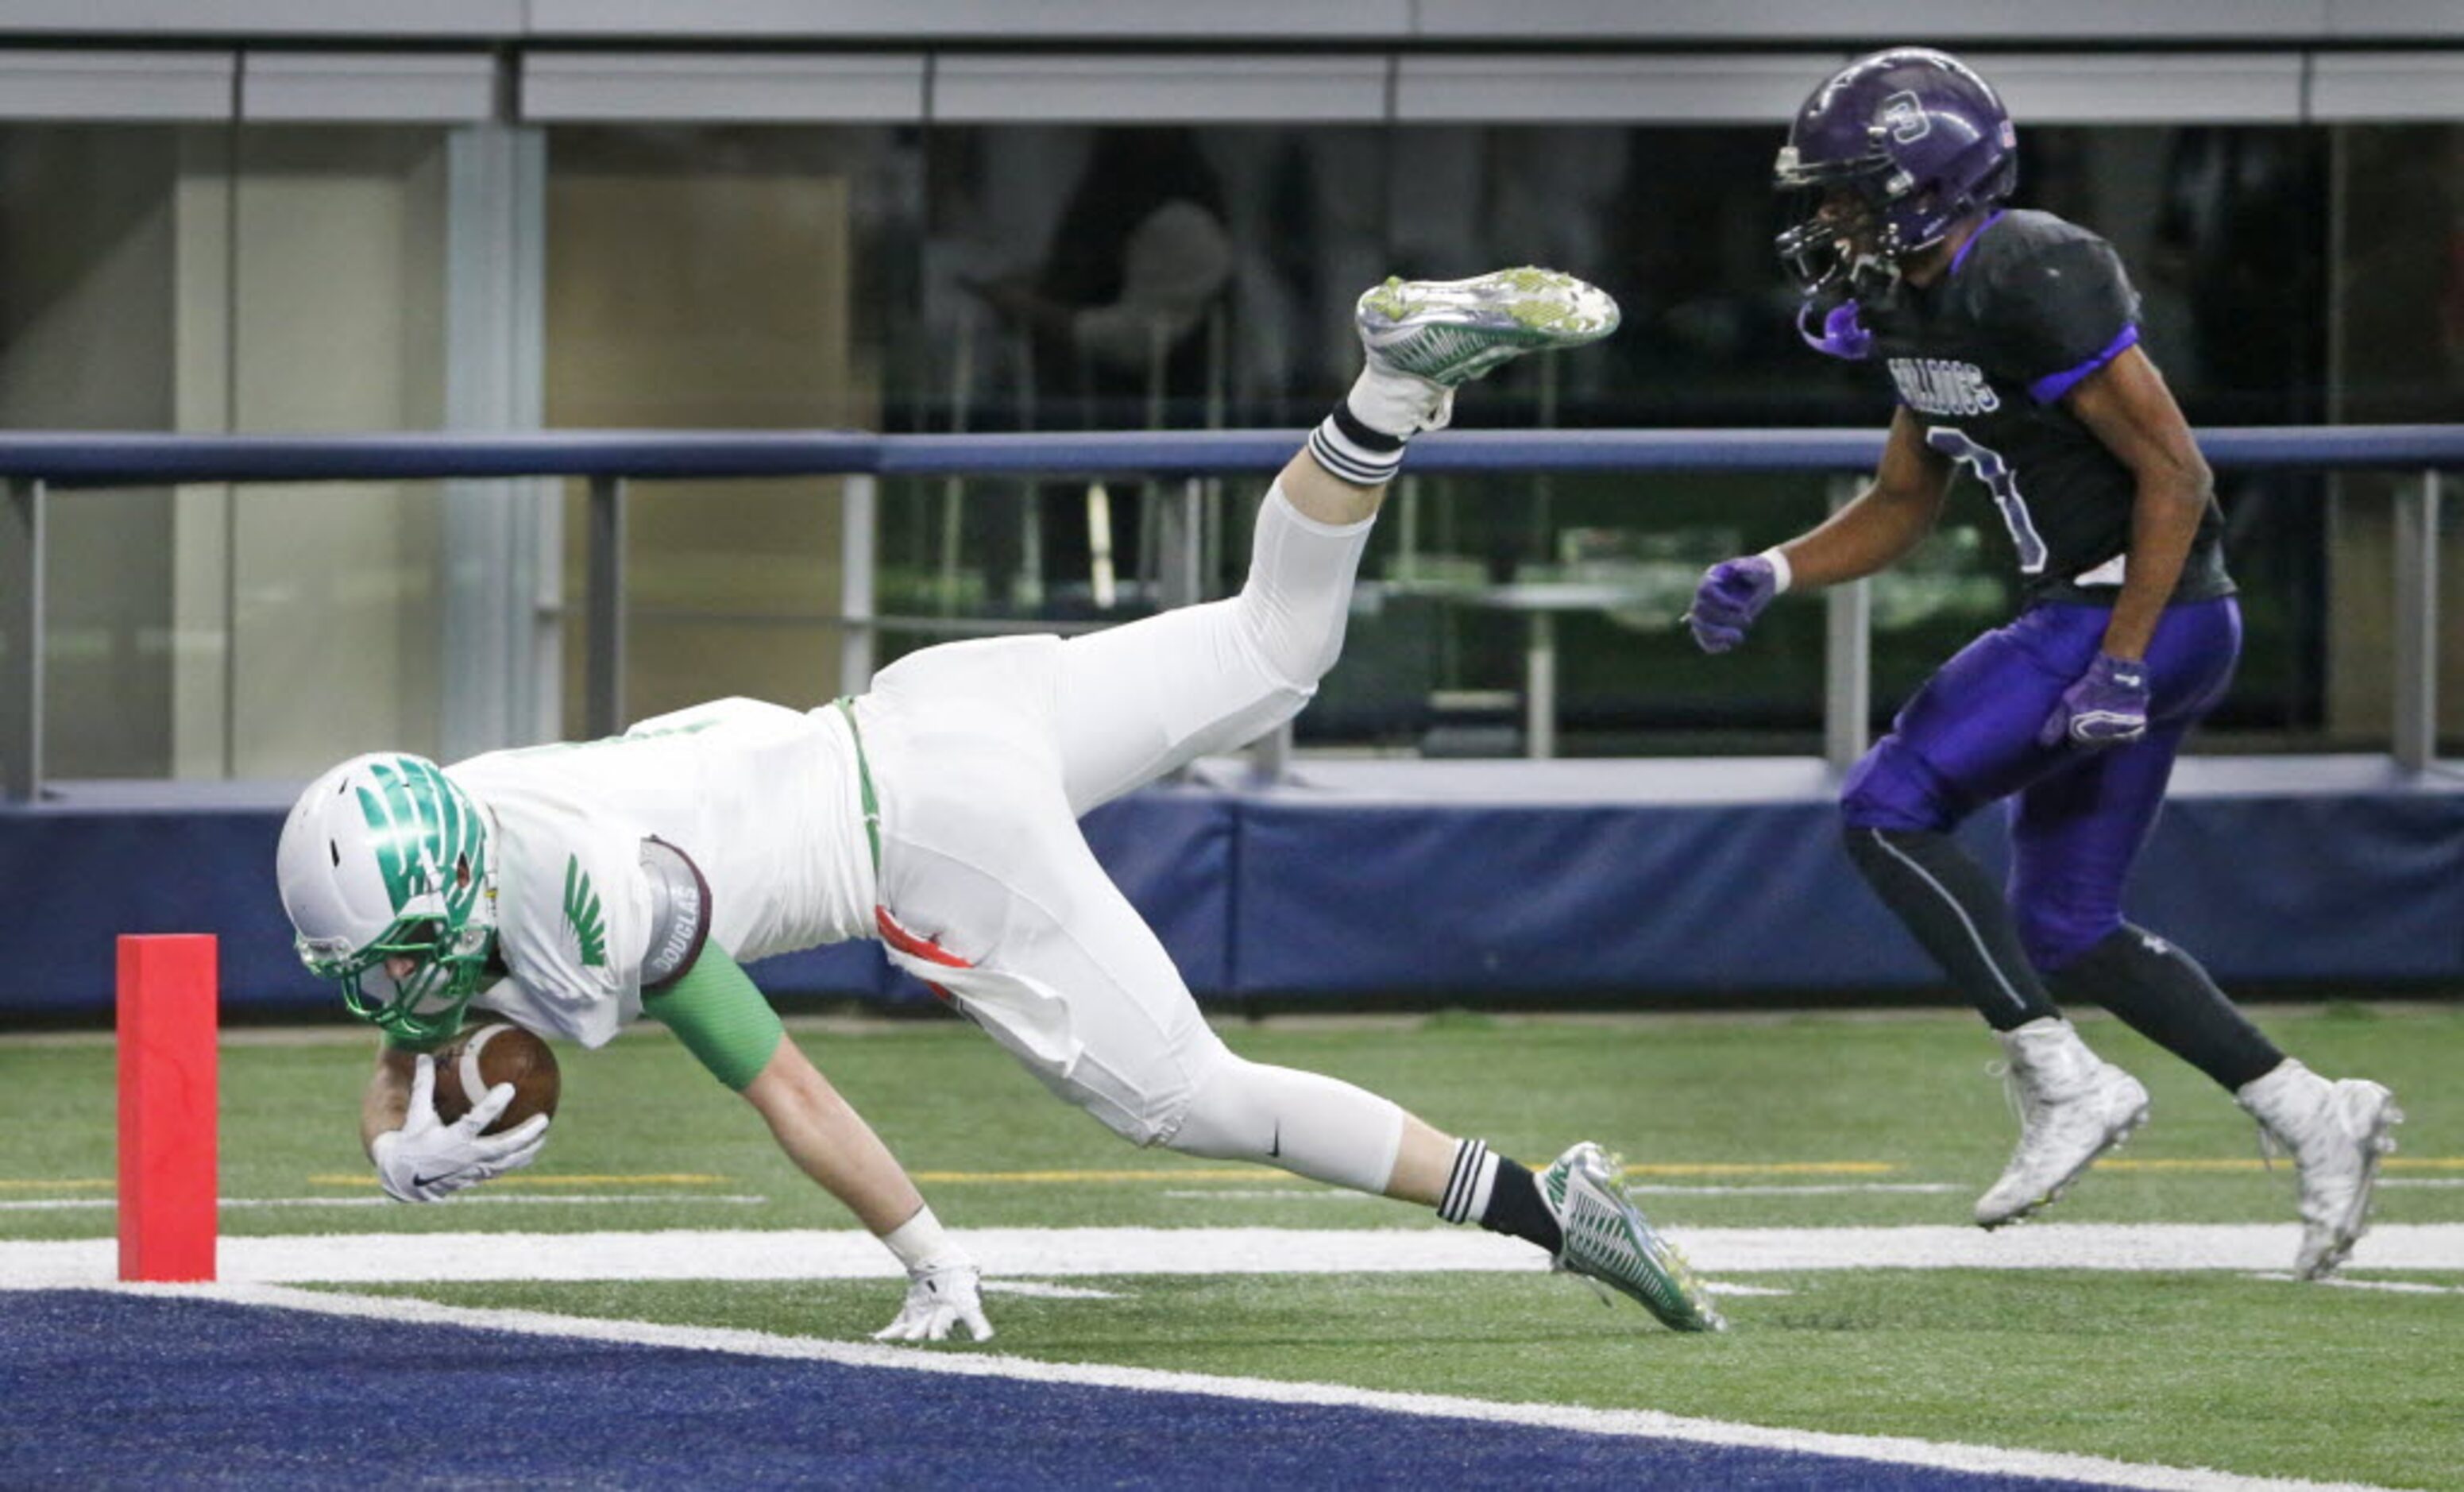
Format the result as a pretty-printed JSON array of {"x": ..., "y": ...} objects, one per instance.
[
  {"x": 1037, "y": 1289},
  {"x": 1643, "y": 1424},
  {"x": 1060, "y": 1252}
]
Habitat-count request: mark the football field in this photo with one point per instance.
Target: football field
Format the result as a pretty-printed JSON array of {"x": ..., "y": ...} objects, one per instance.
[{"x": 1817, "y": 1167}]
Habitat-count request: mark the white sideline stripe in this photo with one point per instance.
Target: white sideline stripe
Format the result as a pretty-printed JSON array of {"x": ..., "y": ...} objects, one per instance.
[
  {"x": 1274, "y": 1194},
  {"x": 1821, "y": 1189},
  {"x": 1634, "y": 1423},
  {"x": 1295, "y": 1193},
  {"x": 497, "y": 1198},
  {"x": 2394, "y": 1287},
  {"x": 1051, "y": 1253}
]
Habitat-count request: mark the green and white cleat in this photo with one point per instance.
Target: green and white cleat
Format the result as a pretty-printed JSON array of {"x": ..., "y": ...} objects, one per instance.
[
  {"x": 1451, "y": 332},
  {"x": 1608, "y": 1240}
]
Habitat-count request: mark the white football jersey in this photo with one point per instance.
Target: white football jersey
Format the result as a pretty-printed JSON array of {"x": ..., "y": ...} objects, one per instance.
[{"x": 764, "y": 799}]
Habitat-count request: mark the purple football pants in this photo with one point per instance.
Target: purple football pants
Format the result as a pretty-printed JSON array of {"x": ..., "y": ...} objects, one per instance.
[{"x": 2078, "y": 818}]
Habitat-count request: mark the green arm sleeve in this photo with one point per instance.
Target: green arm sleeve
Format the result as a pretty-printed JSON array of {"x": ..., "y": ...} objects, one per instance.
[{"x": 715, "y": 1011}]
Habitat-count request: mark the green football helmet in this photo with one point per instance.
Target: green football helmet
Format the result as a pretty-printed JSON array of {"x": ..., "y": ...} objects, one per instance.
[{"x": 386, "y": 872}]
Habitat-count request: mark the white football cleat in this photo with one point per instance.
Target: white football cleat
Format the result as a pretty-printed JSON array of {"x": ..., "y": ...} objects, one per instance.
[
  {"x": 1608, "y": 1240},
  {"x": 2073, "y": 1106},
  {"x": 2337, "y": 1133},
  {"x": 1450, "y": 332}
]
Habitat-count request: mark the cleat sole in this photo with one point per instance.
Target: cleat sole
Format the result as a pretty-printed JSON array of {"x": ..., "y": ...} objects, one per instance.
[{"x": 1452, "y": 331}]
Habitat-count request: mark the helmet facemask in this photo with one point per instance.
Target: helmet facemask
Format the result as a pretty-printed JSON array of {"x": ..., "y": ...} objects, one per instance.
[
  {"x": 424, "y": 1005},
  {"x": 1842, "y": 243}
]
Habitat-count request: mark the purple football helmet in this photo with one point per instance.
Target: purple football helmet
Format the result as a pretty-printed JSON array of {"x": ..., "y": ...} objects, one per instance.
[{"x": 1885, "y": 158}]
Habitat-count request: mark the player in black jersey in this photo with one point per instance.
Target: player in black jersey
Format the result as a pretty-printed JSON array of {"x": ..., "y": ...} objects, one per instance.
[{"x": 2010, "y": 339}]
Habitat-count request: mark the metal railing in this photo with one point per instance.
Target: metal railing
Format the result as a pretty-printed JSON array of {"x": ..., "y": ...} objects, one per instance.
[{"x": 38, "y": 466}]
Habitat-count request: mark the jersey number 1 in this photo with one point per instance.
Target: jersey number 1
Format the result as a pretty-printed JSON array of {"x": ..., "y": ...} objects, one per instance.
[{"x": 1995, "y": 473}]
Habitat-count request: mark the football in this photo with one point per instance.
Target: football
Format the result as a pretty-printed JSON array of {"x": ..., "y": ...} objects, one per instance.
[{"x": 486, "y": 1055}]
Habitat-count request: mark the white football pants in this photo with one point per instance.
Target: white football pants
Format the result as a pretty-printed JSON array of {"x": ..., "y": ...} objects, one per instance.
[{"x": 986, "y": 753}]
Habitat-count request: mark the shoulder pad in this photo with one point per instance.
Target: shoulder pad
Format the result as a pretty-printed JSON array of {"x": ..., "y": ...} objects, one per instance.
[{"x": 679, "y": 913}]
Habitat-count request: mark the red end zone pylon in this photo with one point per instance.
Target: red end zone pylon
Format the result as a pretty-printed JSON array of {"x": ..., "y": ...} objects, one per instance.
[{"x": 168, "y": 1064}]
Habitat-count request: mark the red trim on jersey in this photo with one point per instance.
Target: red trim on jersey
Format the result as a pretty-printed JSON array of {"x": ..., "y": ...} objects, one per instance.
[{"x": 915, "y": 947}]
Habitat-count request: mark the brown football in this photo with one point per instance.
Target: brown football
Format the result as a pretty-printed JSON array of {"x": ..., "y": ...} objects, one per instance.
[{"x": 486, "y": 1055}]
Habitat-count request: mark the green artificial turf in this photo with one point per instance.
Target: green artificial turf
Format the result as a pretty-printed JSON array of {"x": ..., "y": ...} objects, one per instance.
[
  {"x": 2262, "y": 1377},
  {"x": 2190, "y": 1369}
]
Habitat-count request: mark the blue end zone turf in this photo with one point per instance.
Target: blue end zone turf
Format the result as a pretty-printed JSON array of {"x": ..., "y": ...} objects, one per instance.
[{"x": 120, "y": 1391}]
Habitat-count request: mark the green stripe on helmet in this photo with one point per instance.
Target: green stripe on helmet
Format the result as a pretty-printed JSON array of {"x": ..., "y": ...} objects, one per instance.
[{"x": 423, "y": 828}]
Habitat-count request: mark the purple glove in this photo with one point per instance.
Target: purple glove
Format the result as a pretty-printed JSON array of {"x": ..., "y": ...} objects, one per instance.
[
  {"x": 1840, "y": 336},
  {"x": 2107, "y": 707},
  {"x": 1733, "y": 593}
]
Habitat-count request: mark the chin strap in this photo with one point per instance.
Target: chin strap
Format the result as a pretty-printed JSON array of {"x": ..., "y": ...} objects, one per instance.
[{"x": 1841, "y": 336}]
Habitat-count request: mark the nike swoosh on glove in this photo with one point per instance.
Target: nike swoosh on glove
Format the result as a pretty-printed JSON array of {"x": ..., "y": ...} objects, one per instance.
[
  {"x": 2108, "y": 706},
  {"x": 1732, "y": 593},
  {"x": 938, "y": 1298},
  {"x": 427, "y": 1160}
]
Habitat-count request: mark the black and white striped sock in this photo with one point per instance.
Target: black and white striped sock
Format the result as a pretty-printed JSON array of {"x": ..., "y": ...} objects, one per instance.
[
  {"x": 1500, "y": 1195},
  {"x": 1352, "y": 451},
  {"x": 1470, "y": 1183}
]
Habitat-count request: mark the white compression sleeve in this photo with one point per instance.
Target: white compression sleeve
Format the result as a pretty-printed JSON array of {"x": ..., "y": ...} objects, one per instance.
[
  {"x": 1312, "y": 1125},
  {"x": 1140, "y": 699},
  {"x": 1298, "y": 595}
]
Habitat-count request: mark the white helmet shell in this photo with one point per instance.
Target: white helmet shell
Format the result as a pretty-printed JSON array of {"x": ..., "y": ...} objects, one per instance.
[
  {"x": 326, "y": 865},
  {"x": 377, "y": 841}
]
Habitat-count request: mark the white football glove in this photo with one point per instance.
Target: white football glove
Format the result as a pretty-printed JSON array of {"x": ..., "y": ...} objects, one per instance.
[
  {"x": 938, "y": 1298},
  {"x": 427, "y": 1160}
]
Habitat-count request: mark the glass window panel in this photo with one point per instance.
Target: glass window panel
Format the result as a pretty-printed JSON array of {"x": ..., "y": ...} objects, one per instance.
[
  {"x": 88, "y": 321},
  {"x": 335, "y": 279},
  {"x": 1063, "y": 277},
  {"x": 2397, "y": 313},
  {"x": 725, "y": 278},
  {"x": 1115, "y": 278}
]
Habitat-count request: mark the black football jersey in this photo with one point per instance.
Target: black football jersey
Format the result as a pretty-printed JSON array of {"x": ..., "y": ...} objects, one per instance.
[{"x": 1983, "y": 356}]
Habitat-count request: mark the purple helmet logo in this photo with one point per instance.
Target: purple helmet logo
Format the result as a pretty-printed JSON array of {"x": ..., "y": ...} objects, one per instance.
[
  {"x": 1904, "y": 116},
  {"x": 1887, "y": 156}
]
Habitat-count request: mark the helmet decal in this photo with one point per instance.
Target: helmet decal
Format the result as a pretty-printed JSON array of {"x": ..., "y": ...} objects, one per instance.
[
  {"x": 423, "y": 833},
  {"x": 1904, "y": 116}
]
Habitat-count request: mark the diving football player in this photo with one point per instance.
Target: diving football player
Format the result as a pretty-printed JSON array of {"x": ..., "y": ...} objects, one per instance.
[{"x": 576, "y": 889}]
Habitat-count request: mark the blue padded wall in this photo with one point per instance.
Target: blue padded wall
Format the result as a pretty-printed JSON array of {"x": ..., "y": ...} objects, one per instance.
[
  {"x": 2264, "y": 880},
  {"x": 1523, "y": 880}
]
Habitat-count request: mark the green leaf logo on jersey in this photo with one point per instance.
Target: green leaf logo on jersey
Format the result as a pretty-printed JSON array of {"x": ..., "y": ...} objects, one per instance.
[{"x": 582, "y": 914}]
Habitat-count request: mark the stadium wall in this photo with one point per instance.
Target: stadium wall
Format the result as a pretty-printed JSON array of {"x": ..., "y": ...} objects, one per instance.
[{"x": 1702, "y": 879}]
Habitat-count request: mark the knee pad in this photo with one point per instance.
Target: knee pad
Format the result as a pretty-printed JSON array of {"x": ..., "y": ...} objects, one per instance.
[
  {"x": 1312, "y": 1125},
  {"x": 1890, "y": 787}
]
